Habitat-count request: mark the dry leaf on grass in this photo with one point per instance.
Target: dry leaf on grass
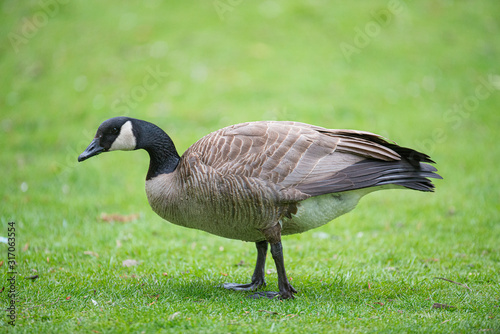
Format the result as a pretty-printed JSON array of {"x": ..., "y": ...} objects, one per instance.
[{"x": 114, "y": 217}]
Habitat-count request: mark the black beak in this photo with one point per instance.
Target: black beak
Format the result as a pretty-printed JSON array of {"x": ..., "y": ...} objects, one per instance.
[{"x": 94, "y": 148}]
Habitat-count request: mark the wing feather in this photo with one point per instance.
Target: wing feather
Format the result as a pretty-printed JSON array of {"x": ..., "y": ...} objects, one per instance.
[{"x": 311, "y": 160}]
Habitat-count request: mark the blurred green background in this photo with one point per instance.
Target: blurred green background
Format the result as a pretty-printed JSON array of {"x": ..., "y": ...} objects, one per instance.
[{"x": 423, "y": 73}]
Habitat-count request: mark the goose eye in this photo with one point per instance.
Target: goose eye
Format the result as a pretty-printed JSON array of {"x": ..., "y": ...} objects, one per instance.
[{"x": 114, "y": 131}]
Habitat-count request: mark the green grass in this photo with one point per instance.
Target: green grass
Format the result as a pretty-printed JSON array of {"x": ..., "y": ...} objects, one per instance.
[{"x": 372, "y": 270}]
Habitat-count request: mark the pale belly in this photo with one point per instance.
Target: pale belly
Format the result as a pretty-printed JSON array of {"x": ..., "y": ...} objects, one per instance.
[{"x": 317, "y": 211}]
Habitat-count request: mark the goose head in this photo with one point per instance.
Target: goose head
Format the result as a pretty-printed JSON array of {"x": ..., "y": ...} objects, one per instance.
[
  {"x": 114, "y": 134},
  {"x": 127, "y": 134}
]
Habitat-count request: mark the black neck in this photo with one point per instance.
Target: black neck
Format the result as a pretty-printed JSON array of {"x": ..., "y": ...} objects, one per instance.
[{"x": 163, "y": 155}]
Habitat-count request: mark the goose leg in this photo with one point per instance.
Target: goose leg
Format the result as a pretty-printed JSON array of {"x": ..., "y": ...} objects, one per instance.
[
  {"x": 286, "y": 290},
  {"x": 258, "y": 279}
]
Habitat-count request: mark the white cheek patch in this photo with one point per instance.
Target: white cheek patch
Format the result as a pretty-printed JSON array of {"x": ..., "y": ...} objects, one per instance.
[{"x": 125, "y": 140}]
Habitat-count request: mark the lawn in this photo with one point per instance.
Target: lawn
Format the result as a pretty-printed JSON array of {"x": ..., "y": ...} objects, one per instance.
[{"x": 92, "y": 257}]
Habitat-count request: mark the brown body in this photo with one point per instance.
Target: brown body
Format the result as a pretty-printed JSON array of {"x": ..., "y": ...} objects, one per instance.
[{"x": 243, "y": 179}]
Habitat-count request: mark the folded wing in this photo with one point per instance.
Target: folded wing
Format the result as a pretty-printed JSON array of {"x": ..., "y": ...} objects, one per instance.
[{"x": 311, "y": 159}]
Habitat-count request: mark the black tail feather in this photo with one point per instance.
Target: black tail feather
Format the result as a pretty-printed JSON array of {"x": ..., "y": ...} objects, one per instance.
[{"x": 407, "y": 172}]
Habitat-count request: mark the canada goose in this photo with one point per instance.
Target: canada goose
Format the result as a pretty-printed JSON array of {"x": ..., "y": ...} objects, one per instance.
[{"x": 258, "y": 181}]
